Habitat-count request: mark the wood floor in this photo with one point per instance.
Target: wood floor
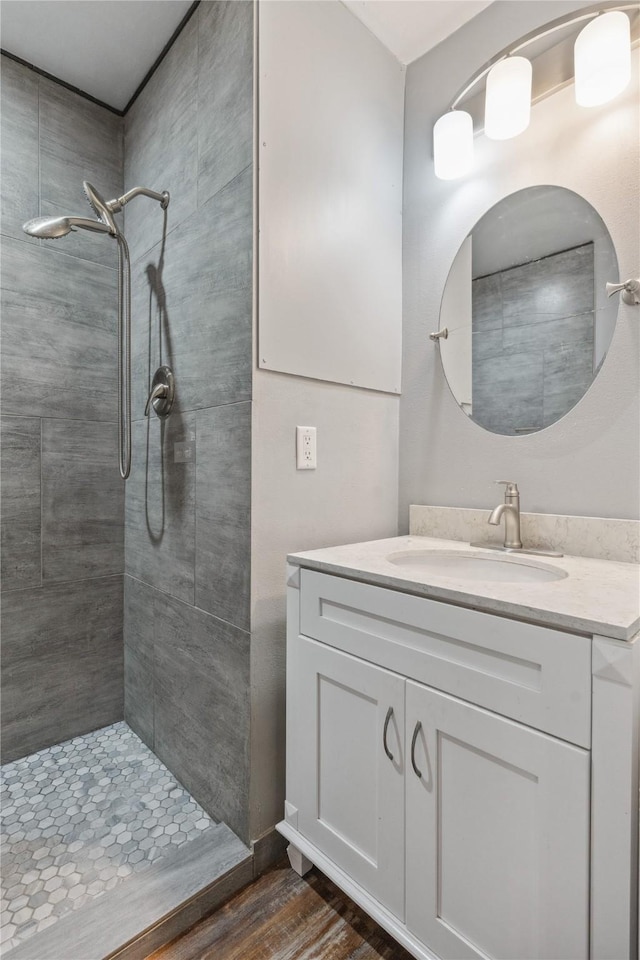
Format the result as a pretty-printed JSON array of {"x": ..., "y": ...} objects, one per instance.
[{"x": 284, "y": 917}]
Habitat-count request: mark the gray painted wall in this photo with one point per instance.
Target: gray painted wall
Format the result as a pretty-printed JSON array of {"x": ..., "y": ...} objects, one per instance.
[
  {"x": 353, "y": 494},
  {"x": 187, "y": 643},
  {"x": 62, "y": 497},
  {"x": 588, "y": 462}
]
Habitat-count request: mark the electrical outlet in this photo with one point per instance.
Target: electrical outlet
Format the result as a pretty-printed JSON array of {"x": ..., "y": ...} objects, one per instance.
[{"x": 306, "y": 448}]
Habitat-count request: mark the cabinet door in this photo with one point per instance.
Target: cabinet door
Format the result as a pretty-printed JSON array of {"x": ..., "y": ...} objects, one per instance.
[
  {"x": 497, "y": 835},
  {"x": 351, "y": 790}
]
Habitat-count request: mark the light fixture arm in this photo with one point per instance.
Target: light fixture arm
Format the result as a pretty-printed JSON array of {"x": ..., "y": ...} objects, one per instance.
[{"x": 560, "y": 23}]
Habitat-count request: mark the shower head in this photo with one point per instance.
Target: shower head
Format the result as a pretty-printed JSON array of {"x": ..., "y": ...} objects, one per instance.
[
  {"x": 99, "y": 206},
  {"x": 51, "y": 228}
]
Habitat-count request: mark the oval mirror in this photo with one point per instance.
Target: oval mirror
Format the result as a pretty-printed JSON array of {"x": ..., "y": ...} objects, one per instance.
[{"x": 528, "y": 320}]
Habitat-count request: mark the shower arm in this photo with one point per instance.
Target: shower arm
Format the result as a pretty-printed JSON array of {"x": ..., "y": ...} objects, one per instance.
[{"x": 115, "y": 206}]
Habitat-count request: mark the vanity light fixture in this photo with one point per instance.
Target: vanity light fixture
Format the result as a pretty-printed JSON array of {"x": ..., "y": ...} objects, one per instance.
[
  {"x": 453, "y": 145},
  {"x": 602, "y": 70},
  {"x": 602, "y": 59},
  {"x": 507, "y": 106}
]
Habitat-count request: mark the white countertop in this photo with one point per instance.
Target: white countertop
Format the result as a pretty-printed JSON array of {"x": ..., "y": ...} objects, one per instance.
[{"x": 597, "y": 597}]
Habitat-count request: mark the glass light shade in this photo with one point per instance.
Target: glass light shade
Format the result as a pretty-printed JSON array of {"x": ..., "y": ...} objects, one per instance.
[
  {"x": 602, "y": 59},
  {"x": 453, "y": 145},
  {"x": 507, "y": 108}
]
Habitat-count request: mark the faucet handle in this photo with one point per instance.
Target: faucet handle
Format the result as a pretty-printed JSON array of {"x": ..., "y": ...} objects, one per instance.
[
  {"x": 162, "y": 393},
  {"x": 159, "y": 391},
  {"x": 511, "y": 488}
]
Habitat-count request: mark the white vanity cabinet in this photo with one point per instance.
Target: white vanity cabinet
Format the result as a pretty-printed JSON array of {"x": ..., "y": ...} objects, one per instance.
[{"x": 439, "y": 770}]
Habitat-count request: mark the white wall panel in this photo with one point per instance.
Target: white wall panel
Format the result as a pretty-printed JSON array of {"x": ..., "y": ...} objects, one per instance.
[
  {"x": 351, "y": 497},
  {"x": 331, "y": 102}
]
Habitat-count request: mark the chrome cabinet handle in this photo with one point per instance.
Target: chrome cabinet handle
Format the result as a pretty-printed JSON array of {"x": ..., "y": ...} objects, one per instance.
[
  {"x": 387, "y": 720},
  {"x": 417, "y": 730}
]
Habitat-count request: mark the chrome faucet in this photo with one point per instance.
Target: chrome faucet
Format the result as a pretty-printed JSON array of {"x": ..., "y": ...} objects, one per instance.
[{"x": 510, "y": 510}]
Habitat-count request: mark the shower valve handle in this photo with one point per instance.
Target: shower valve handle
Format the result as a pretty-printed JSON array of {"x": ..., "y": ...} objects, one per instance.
[
  {"x": 162, "y": 393},
  {"x": 160, "y": 390}
]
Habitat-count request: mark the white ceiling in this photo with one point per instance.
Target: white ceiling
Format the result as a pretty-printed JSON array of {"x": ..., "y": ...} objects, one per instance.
[
  {"x": 103, "y": 47},
  {"x": 408, "y": 28},
  {"x": 106, "y": 47}
]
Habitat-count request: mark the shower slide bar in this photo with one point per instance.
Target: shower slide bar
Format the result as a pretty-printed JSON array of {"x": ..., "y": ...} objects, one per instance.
[{"x": 52, "y": 228}]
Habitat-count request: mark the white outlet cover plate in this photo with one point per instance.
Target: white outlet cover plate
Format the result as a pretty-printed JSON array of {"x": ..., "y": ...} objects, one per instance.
[{"x": 306, "y": 457}]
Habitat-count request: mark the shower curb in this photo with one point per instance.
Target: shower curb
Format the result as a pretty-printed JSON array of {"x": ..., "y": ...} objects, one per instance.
[{"x": 151, "y": 908}]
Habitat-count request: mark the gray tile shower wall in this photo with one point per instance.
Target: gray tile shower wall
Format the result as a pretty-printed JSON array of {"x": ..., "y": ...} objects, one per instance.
[
  {"x": 161, "y": 142},
  {"x": 19, "y": 192},
  {"x": 193, "y": 297},
  {"x": 160, "y": 507},
  {"x": 187, "y": 546},
  {"x": 20, "y": 503},
  {"x": 187, "y": 696},
  {"x": 224, "y": 83},
  {"x": 61, "y": 662},
  {"x": 82, "y": 501},
  {"x": 62, "y": 498},
  {"x": 94, "y": 153},
  {"x": 223, "y": 531},
  {"x": 59, "y": 333}
]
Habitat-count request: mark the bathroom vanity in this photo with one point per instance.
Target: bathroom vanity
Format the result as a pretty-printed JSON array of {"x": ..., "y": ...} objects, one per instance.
[{"x": 462, "y": 745}]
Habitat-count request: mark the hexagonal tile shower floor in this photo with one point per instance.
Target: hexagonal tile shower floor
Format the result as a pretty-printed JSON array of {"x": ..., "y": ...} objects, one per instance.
[{"x": 79, "y": 819}]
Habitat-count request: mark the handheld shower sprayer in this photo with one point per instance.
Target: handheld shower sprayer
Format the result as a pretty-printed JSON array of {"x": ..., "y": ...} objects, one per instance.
[{"x": 52, "y": 228}]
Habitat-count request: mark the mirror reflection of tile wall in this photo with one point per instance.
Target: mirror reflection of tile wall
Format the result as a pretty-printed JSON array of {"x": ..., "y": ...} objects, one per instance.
[{"x": 533, "y": 341}]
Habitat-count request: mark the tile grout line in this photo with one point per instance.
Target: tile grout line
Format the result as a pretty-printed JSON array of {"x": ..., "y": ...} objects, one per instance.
[
  {"x": 197, "y": 108},
  {"x": 196, "y": 410},
  {"x": 186, "y": 603},
  {"x": 39, "y": 244},
  {"x": 195, "y": 513},
  {"x": 41, "y": 504},
  {"x": 44, "y": 585}
]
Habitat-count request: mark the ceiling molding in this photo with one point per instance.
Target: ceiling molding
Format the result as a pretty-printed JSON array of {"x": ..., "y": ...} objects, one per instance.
[{"x": 104, "y": 50}]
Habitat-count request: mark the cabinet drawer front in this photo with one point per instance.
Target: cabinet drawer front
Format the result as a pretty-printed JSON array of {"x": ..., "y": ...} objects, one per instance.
[{"x": 539, "y": 676}]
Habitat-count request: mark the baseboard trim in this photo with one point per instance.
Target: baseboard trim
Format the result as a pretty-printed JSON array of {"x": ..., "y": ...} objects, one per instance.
[{"x": 268, "y": 850}]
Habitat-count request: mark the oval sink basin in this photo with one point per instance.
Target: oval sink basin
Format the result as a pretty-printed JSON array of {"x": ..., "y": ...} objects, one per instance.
[{"x": 472, "y": 566}]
